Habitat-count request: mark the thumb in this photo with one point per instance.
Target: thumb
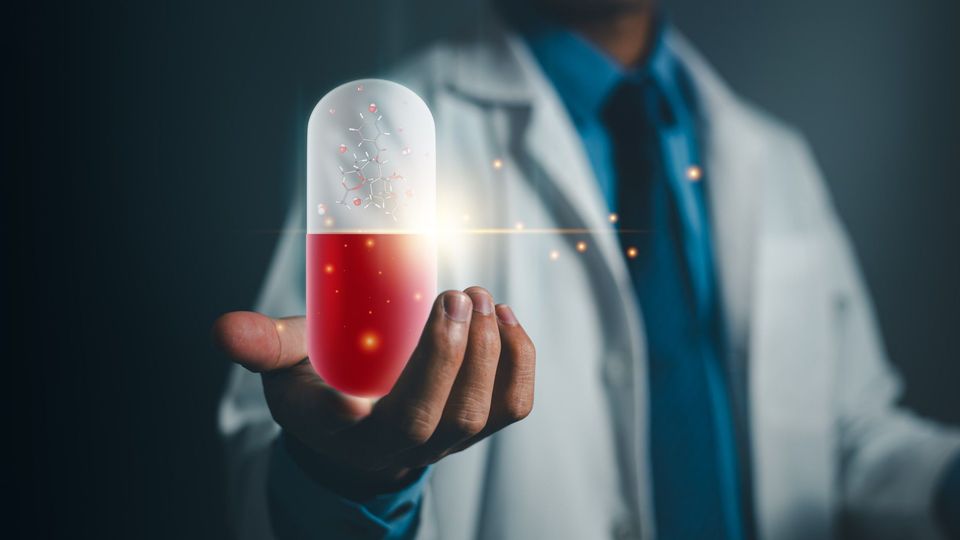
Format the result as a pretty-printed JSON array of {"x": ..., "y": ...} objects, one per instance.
[{"x": 260, "y": 343}]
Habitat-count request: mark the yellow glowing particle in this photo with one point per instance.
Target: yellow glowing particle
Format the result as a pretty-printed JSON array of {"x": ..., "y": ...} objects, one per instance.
[
  {"x": 369, "y": 242},
  {"x": 328, "y": 221},
  {"x": 612, "y": 218},
  {"x": 328, "y": 268},
  {"x": 694, "y": 173},
  {"x": 369, "y": 341},
  {"x": 554, "y": 255},
  {"x": 519, "y": 226},
  {"x": 581, "y": 246},
  {"x": 632, "y": 252},
  {"x": 498, "y": 164}
]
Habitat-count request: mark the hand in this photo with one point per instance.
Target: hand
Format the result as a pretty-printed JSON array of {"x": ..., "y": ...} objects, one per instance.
[{"x": 471, "y": 375}]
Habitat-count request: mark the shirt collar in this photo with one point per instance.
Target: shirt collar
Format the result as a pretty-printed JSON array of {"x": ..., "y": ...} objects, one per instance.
[{"x": 584, "y": 75}]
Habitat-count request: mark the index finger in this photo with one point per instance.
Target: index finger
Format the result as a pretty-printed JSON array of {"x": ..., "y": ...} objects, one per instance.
[{"x": 260, "y": 343}]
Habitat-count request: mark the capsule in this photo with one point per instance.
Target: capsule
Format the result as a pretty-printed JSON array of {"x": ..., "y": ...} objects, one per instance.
[{"x": 371, "y": 251}]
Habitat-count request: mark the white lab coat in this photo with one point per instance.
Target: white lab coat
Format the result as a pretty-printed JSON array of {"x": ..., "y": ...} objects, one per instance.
[{"x": 832, "y": 454}]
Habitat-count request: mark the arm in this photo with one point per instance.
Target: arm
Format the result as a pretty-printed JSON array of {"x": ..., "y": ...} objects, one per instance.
[
  {"x": 492, "y": 362},
  {"x": 300, "y": 505},
  {"x": 269, "y": 492},
  {"x": 892, "y": 461},
  {"x": 261, "y": 475}
]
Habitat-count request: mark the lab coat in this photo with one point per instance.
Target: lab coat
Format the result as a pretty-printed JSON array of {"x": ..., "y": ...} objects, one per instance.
[{"x": 831, "y": 453}]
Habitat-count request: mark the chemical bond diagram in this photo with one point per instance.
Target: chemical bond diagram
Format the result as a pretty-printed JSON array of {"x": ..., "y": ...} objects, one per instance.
[{"x": 367, "y": 182}]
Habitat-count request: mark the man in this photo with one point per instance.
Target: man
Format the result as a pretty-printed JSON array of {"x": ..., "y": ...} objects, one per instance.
[{"x": 708, "y": 365}]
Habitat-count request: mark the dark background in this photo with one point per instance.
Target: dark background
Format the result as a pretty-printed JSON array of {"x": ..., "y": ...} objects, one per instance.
[{"x": 151, "y": 150}]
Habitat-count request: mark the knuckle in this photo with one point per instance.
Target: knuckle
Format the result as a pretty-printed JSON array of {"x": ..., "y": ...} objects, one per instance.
[
  {"x": 486, "y": 344},
  {"x": 522, "y": 349},
  {"x": 518, "y": 408},
  {"x": 416, "y": 426},
  {"x": 446, "y": 349},
  {"x": 469, "y": 420},
  {"x": 526, "y": 349}
]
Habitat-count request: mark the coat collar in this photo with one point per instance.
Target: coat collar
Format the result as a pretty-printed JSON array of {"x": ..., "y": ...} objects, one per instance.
[{"x": 500, "y": 71}]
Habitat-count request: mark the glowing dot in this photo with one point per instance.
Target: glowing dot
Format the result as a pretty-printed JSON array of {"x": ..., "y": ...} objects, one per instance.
[
  {"x": 519, "y": 226},
  {"x": 328, "y": 268},
  {"x": 406, "y": 151},
  {"x": 388, "y": 300},
  {"x": 357, "y": 201},
  {"x": 498, "y": 164},
  {"x": 279, "y": 327},
  {"x": 369, "y": 341},
  {"x": 342, "y": 149},
  {"x": 321, "y": 209},
  {"x": 632, "y": 252},
  {"x": 417, "y": 296},
  {"x": 554, "y": 255},
  {"x": 581, "y": 246},
  {"x": 328, "y": 221},
  {"x": 694, "y": 173},
  {"x": 372, "y": 107},
  {"x": 359, "y": 88},
  {"x": 369, "y": 242},
  {"x": 612, "y": 218},
  {"x": 379, "y": 272},
  {"x": 336, "y": 291},
  {"x": 332, "y": 111}
]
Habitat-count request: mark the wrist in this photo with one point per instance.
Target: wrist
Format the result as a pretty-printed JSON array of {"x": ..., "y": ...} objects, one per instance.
[{"x": 345, "y": 480}]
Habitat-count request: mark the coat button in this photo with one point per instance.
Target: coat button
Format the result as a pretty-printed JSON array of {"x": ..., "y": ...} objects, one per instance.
[
  {"x": 623, "y": 530},
  {"x": 617, "y": 371}
]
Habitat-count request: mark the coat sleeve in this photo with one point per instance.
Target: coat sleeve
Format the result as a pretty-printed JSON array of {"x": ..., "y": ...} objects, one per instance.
[
  {"x": 244, "y": 421},
  {"x": 891, "y": 460}
]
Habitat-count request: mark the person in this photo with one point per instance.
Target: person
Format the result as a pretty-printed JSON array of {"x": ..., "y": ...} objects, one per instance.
[{"x": 707, "y": 360}]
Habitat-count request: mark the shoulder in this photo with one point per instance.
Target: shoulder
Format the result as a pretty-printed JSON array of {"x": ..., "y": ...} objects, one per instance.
[{"x": 775, "y": 154}]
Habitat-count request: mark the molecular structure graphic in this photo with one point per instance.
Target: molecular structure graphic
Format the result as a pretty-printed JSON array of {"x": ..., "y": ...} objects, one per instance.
[{"x": 366, "y": 183}]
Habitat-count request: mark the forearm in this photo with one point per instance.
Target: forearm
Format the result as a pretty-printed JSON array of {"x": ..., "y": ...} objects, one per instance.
[{"x": 301, "y": 506}]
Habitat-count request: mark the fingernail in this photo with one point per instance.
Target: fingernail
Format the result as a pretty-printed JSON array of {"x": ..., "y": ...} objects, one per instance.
[
  {"x": 482, "y": 303},
  {"x": 506, "y": 316},
  {"x": 457, "y": 306}
]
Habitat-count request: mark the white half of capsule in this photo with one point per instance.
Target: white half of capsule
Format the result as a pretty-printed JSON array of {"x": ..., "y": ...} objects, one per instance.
[{"x": 371, "y": 160}]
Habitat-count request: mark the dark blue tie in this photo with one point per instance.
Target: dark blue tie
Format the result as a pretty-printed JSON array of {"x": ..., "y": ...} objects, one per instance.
[{"x": 687, "y": 478}]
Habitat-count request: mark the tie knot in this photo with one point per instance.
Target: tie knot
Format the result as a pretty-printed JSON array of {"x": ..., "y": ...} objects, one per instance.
[{"x": 635, "y": 107}]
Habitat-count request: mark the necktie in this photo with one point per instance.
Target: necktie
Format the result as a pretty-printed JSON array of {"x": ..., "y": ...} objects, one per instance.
[{"x": 687, "y": 480}]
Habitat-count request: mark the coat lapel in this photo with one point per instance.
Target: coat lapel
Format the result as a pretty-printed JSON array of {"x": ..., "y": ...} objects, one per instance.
[{"x": 529, "y": 119}]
